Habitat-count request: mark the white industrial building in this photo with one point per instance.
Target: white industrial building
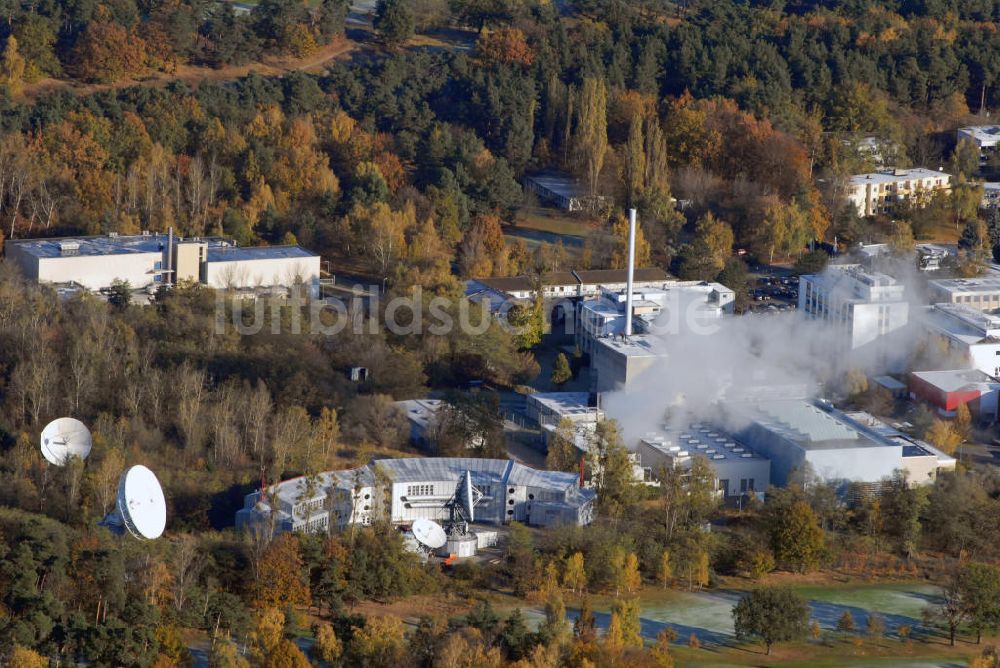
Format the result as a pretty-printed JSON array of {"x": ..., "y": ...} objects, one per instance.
[
  {"x": 604, "y": 316},
  {"x": 149, "y": 260},
  {"x": 617, "y": 360},
  {"x": 863, "y": 305},
  {"x": 404, "y": 490},
  {"x": 243, "y": 268},
  {"x": 574, "y": 284},
  {"x": 549, "y": 408},
  {"x": 796, "y": 435},
  {"x": 981, "y": 293},
  {"x": 880, "y": 192},
  {"x": 738, "y": 470},
  {"x": 985, "y": 138},
  {"x": 971, "y": 336}
]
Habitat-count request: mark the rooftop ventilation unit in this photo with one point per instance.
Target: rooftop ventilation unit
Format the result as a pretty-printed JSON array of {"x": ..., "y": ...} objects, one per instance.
[{"x": 69, "y": 247}]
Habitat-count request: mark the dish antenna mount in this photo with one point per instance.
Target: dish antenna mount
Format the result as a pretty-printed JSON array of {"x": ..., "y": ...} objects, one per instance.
[
  {"x": 140, "y": 507},
  {"x": 463, "y": 504}
]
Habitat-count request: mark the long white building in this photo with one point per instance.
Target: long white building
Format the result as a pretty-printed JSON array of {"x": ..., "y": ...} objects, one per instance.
[
  {"x": 971, "y": 336},
  {"x": 860, "y": 304},
  {"x": 404, "y": 490},
  {"x": 836, "y": 446},
  {"x": 880, "y": 192},
  {"x": 149, "y": 260},
  {"x": 982, "y": 293}
]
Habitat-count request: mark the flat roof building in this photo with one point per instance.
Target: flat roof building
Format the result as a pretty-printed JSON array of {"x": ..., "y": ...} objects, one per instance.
[
  {"x": 836, "y": 446},
  {"x": 571, "y": 284},
  {"x": 981, "y": 293},
  {"x": 738, "y": 470},
  {"x": 617, "y": 361},
  {"x": 604, "y": 316},
  {"x": 547, "y": 408},
  {"x": 947, "y": 390},
  {"x": 971, "y": 336},
  {"x": 880, "y": 192},
  {"x": 148, "y": 260},
  {"x": 563, "y": 191},
  {"x": 404, "y": 490},
  {"x": 863, "y": 305}
]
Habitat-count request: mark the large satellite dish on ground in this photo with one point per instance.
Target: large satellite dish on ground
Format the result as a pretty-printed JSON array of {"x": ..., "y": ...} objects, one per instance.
[
  {"x": 140, "y": 506},
  {"x": 64, "y": 438},
  {"x": 429, "y": 534}
]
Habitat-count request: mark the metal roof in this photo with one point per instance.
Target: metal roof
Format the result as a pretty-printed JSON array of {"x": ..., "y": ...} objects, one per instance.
[
  {"x": 505, "y": 471},
  {"x": 984, "y": 135},
  {"x": 564, "y": 403},
  {"x": 699, "y": 439},
  {"x": 956, "y": 380},
  {"x": 93, "y": 246},
  {"x": 240, "y": 253},
  {"x": 219, "y": 250},
  {"x": 575, "y": 278}
]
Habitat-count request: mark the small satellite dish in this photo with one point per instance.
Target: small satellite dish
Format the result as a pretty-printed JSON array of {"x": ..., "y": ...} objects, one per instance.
[
  {"x": 429, "y": 534},
  {"x": 64, "y": 438},
  {"x": 141, "y": 507}
]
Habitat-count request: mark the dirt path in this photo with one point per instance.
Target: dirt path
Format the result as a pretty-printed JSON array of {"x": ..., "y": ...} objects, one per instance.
[{"x": 195, "y": 75}]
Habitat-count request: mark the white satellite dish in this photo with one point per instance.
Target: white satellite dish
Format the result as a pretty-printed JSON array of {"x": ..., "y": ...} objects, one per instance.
[
  {"x": 468, "y": 498},
  {"x": 429, "y": 534},
  {"x": 64, "y": 438},
  {"x": 140, "y": 506}
]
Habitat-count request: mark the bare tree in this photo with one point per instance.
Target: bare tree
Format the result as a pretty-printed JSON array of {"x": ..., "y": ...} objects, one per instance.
[
  {"x": 225, "y": 437},
  {"x": 186, "y": 565},
  {"x": 291, "y": 428},
  {"x": 255, "y": 415},
  {"x": 190, "y": 388}
]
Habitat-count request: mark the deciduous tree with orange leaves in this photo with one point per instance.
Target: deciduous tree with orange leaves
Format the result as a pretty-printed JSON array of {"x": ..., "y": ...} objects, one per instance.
[
  {"x": 281, "y": 579},
  {"x": 504, "y": 46}
]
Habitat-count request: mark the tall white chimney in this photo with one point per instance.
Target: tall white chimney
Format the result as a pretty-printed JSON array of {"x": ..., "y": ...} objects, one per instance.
[{"x": 631, "y": 270}]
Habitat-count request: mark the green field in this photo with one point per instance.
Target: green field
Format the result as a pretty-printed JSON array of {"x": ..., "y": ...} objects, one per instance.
[{"x": 707, "y": 615}]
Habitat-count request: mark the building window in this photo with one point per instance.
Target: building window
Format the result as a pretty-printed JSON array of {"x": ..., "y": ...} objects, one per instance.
[{"x": 419, "y": 490}]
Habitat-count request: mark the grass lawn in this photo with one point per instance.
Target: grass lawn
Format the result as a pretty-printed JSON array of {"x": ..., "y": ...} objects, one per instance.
[
  {"x": 553, "y": 221},
  {"x": 887, "y": 654}
]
